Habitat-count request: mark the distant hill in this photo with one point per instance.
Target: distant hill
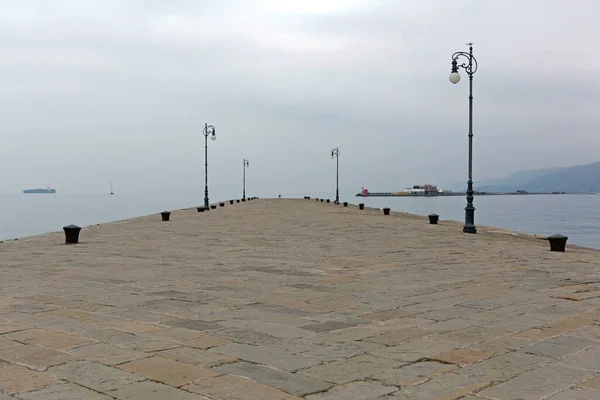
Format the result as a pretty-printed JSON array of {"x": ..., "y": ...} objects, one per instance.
[{"x": 579, "y": 178}]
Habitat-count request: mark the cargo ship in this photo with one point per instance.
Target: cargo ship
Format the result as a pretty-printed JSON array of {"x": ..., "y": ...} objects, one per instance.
[
  {"x": 417, "y": 190},
  {"x": 47, "y": 190}
]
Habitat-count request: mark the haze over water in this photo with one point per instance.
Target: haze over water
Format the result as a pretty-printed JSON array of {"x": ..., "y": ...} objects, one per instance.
[{"x": 573, "y": 215}]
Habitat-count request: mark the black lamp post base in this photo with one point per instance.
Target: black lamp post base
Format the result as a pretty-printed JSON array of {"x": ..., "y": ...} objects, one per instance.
[{"x": 469, "y": 229}]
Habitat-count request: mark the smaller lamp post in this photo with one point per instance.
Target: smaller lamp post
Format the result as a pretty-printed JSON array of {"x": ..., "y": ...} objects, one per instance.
[
  {"x": 245, "y": 164},
  {"x": 335, "y": 153},
  {"x": 209, "y": 130}
]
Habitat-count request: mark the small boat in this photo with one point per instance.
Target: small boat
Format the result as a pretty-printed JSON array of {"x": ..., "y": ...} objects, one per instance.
[{"x": 47, "y": 190}]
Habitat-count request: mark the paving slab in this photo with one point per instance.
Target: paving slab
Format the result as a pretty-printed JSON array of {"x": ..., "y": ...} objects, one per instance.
[{"x": 285, "y": 299}]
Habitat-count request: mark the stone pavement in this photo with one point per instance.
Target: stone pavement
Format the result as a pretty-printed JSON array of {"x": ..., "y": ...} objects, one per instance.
[{"x": 297, "y": 299}]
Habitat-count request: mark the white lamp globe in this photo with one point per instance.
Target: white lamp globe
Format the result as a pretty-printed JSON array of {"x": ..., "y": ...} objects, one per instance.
[
  {"x": 213, "y": 137},
  {"x": 454, "y": 77}
]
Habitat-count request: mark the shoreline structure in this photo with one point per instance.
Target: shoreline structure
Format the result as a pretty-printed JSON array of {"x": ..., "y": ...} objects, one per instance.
[{"x": 282, "y": 299}]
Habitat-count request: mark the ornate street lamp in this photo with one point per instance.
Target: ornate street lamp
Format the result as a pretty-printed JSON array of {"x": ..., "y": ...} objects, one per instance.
[
  {"x": 470, "y": 67},
  {"x": 209, "y": 130},
  {"x": 245, "y": 164},
  {"x": 335, "y": 153}
]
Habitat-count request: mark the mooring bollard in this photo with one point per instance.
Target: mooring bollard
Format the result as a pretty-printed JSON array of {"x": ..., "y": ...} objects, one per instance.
[
  {"x": 306, "y": 197},
  {"x": 433, "y": 219},
  {"x": 361, "y": 206},
  {"x": 230, "y": 201},
  {"x": 214, "y": 206},
  {"x": 237, "y": 201},
  {"x": 386, "y": 211},
  {"x": 200, "y": 209},
  {"x": 345, "y": 204},
  {"x": 222, "y": 204},
  {"x": 71, "y": 234},
  {"x": 328, "y": 200},
  {"x": 558, "y": 242},
  {"x": 165, "y": 215}
]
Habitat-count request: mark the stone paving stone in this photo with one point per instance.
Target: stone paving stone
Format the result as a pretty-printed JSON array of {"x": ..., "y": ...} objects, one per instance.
[
  {"x": 14, "y": 378},
  {"x": 111, "y": 336},
  {"x": 351, "y": 369},
  {"x": 586, "y": 359},
  {"x": 560, "y": 346},
  {"x": 167, "y": 371},
  {"x": 385, "y": 315},
  {"x": 47, "y": 338},
  {"x": 276, "y": 330},
  {"x": 355, "y": 391},
  {"x": 344, "y": 335},
  {"x": 188, "y": 338},
  {"x": 34, "y": 357},
  {"x": 13, "y": 327},
  {"x": 538, "y": 383},
  {"x": 593, "y": 383},
  {"x": 505, "y": 366},
  {"x": 94, "y": 376},
  {"x": 576, "y": 394},
  {"x": 327, "y": 353},
  {"x": 399, "y": 336},
  {"x": 7, "y": 344},
  {"x": 448, "y": 386},
  {"x": 233, "y": 388},
  {"x": 149, "y": 345},
  {"x": 266, "y": 355},
  {"x": 415, "y": 350},
  {"x": 78, "y": 315},
  {"x": 413, "y": 374},
  {"x": 152, "y": 391},
  {"x": 502, "y": 344},
  {"x": 194, "y": 325},
  {"x": 462, "y": 356},
  {"x": 294, "y": 384},
  {"x": 590, "y": 332},
  {"x": 447, "y": 313},
  {"x": 473, "y": 334},
  {"x": 65, "y": 391},
  {"x": 201, "y": 358},
  {"x": 105, "y": 353},
  {"x": 335, "y": 325},
  {"x": 555, "y": 328},
  {"x": 134, "y": 327},
  {"x": 30, "y": 308}
]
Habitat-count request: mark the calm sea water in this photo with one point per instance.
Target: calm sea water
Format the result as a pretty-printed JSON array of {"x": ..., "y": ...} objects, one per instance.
[{"x": 577, "y": 216}]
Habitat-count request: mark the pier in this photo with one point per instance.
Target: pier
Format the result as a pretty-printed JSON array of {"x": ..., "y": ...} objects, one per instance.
[{"x": 282, "y": 299}]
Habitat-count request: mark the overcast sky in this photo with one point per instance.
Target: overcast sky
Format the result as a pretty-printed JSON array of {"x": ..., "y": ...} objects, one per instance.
[{"x": 100, "y": 90}]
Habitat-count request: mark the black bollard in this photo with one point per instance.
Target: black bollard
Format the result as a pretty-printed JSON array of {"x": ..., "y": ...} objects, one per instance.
[
  {"x": 361, "y": 206},
  {"x": 71, "y": 234},
  {"x": 386, "y": 211},
  {"x": 243, "y": 200},
  {"x": 165, "y": 215},
  {"x": 345, "y": 204},
  {"x": 433, "y": 219},
  {"x": 214, "y": 206},
  {"x": 306, "y": 197},
  {"x": 222, "y": 204},
  {"x": 558, "y": 242},
  {"x": 230, "y": 201},
  {"x": 328, "y": 200},
  {"x": 237, "y": 201},
  {"x": 200, "y": 209}
]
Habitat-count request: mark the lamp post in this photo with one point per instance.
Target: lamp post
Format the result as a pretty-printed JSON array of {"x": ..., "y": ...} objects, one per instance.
[
  {"x": 245, "y": 164},
  {"x": 335, "y": 153},
  {"x": 209, "y": 130},
  {"x": 470, "y": 66}
]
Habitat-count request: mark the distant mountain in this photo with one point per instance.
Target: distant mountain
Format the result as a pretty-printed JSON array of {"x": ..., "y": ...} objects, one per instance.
[{"x": 579, "y": 178}]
